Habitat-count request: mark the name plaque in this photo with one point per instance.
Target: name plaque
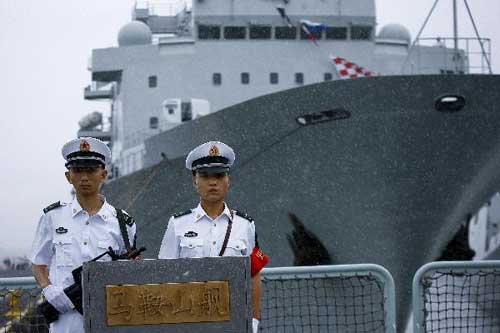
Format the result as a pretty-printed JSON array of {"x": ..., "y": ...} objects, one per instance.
[{"x": 167, "y": 303}]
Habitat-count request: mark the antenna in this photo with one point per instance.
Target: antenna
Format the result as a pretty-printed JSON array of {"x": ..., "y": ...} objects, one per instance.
[{"x": 455, "y": 35}]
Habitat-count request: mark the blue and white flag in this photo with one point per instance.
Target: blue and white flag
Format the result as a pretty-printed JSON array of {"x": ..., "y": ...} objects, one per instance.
[
  {"x": 310, "y": 28},
  {"x": 313, "y": 26}
]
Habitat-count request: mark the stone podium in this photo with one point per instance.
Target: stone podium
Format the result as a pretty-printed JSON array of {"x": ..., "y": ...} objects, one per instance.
[{"x": 209, "y": 295}]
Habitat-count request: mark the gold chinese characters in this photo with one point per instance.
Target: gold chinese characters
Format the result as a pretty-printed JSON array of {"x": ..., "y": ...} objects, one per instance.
[{"x": 167, "y": 303}]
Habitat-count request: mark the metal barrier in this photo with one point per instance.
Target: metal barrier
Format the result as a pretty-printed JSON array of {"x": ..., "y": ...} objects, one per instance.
[
  {"x": 457, "y": 297},
  {"x": 18, "y": 299},
  {"x": 340, "y": 298},
  {"x": 447, "y": 297}
]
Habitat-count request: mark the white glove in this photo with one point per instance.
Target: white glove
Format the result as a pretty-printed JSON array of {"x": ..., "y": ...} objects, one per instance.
[
  {"x": 55, "y": 295},
  {"x": 255, "y": 325}
]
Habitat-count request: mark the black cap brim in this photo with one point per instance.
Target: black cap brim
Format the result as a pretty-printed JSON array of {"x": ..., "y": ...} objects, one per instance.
[
  {"x": 212, "y": 170},
  {"x": 85, "y": 163}
]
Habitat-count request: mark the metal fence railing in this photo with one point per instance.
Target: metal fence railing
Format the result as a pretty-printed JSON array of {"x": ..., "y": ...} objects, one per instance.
[
  {"x": 18, "y": 299},
  {"x": 447, "y": 297},
  {"x": 340, "y": 298},
  {"x": 457, "y": 297},
  {"x": 474, "y": 54}
]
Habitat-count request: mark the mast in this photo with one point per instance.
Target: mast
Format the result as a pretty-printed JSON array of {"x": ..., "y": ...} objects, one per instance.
[
  {"x": 455, "y": 26},
  {"x": 456, "y": 55}
]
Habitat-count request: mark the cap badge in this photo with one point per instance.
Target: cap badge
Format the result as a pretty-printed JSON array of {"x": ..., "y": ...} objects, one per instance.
[
  {"x": 84, "y": 145},
  {"x": 214, "y": 151}
]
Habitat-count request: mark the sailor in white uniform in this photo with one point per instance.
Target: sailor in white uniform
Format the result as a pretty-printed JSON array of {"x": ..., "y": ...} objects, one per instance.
[
  {"x": 72, "y": 233},
  {"x": 213, "y": 229}
]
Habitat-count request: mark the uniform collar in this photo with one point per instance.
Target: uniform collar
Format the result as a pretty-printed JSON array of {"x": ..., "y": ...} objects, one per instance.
[
  {"x": 105, "y": 212},
  {"x": 75, "y": 207},
  {"x": 199, "y": 212}
]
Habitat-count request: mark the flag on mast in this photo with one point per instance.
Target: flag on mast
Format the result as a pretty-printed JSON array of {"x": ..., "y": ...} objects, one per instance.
[
  {"x": 310, "y": 28},
  {"x": 350, "y": 70},
  {"x": 313, "y": 26}
]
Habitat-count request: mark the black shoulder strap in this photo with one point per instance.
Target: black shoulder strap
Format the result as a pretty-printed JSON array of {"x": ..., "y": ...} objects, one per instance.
[
  {"x": 228, "y": 233},
  {"x": 182, "y": 213},
  {"x": 52, "y": 206},
  {"x": 122, "y": 221},
  {"x": 243, "y": 215}
]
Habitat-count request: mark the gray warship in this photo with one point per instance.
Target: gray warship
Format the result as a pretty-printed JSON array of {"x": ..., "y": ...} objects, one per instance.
[{"x": 381, "y": 169}]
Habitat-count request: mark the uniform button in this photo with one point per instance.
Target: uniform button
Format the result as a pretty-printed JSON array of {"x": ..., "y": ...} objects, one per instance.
[
  {"x": 74, "y": 211},
  {"x": 84, "y": 243},
  {"x": 87, "y": 223},
  {"x": 214, "y": 242}
]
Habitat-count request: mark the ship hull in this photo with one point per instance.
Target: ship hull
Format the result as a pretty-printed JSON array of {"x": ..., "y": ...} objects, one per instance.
[{"x": 389, "y": 185}]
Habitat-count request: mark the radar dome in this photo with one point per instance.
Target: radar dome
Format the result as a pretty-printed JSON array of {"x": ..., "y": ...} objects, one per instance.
[
  {"x": 396, "y": 32},
  {"x": 134, "y": 33}
]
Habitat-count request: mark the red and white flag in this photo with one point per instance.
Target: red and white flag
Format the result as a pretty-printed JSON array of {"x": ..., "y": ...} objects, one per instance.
[{"x": 349, "y": 70}]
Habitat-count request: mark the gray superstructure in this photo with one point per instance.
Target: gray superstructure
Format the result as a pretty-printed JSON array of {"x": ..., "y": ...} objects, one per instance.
[{"x": 169, "y": 69}]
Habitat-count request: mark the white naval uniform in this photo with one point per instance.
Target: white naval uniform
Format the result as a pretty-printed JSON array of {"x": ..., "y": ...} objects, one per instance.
[
  {"x": 65, "y": 238},
  {"x": 196, "y": 234}
]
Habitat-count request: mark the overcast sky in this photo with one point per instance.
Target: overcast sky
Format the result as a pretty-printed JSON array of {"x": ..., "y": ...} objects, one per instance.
[{"x": 44, "y": 51}]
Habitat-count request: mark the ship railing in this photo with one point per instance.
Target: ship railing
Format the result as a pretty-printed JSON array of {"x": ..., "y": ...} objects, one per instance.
[
  {"x": 336, "y": 298},
  {"x": 473, "y": 54},
  {"x": 19, "y": 297},
  {"x": 161, "y": 7},
  {"x": 457, "y": 297},
  {"x": 138, "y": 136},
  {"x": 132, "y": 155}
]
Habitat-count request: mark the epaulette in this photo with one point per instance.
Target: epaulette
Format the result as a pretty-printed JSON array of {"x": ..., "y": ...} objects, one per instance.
[
  {"x": 52, "y": 206},
  {"x": 189, "y": 211},
  {"x": 243, "y": 215}
]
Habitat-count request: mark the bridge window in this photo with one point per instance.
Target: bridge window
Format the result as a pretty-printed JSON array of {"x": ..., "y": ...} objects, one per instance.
[
  {"x": 217, "y": 79},
  {"x": 336, "y": 33},
  {"x": 208, "y": 31},
  {"x": 153, "y": 122},
  {"x": 285, "y": 32},
  {"x": 359, "y": 32},
  {"x": 186, "y": 111},
  {"x": 273, "y": 78},
  {"x": 235, "y": 32},
  {"x": 152, "y": 81},
  {"x": 245, "y": 78},
  {"x": 260, "y": 32},
  {"x": 299, "y": 78}
]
